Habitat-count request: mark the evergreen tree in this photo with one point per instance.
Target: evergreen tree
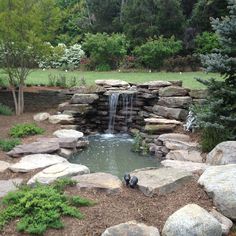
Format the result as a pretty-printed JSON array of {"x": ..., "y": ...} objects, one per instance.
[{"x": 217, "y": 118}]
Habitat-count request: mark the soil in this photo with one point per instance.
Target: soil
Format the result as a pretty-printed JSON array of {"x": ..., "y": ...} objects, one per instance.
[{"x": 126, "y": 206}]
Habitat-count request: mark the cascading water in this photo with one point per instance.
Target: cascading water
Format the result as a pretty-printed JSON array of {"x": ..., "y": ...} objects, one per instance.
[
  {"x": 127, "y": 106},
  {"x": 113, "y": 102}
]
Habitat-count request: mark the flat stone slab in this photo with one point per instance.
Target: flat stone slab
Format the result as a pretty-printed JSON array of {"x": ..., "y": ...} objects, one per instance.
[
  {"x": 191, "y": 220},
  {"x": 180, "y": 145},
  {"x": 84, "y": 98},
  {"x": 36, "y": 161},
  {"x": 131, "y": 228},
  {"x": 175, "y": 102},
  {"x": 193, "y": 167},
  {"x": 162, "y": 121},
  {"x": 155, "y": 84},
  {"x": 4, "y": 166},
  {"x": 153, "y": 181},
  {"x": 9, "y": 185},
  {"x": 34, "y": 148},
  {"x": 174, "y": 136},
  {"x": 41, "y": 116},
  {"x": 185, "y": 155},
  {"x": 220, "y": 183},
  {"x": 112, "y": 83},
  {"x": 224, "y": 153},
  {"x": 99, "y": 181},
  {"x": 172, "y": 91},
  {"x": 68, "y": 133},
  {"x": 52, "y": 173},
  {"x": 61, "y": 119},
  {"x": 63, "y": 142}
]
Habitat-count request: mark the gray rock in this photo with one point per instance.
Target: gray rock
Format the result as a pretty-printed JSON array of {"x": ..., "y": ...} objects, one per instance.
[
  {"x": 161, "y": 121},
  {"x": 224, "y": 153},
  {"x": 84, "y": 98},
  {"x": 174, "y": 136},
  {"x": 34, "y": 148},
  {"x": 159, "y": 128},
  {"x": 154, "y": 84},
  {"x": 191, "y": 220},
  {"x": 73, "y": 109},
  {"x": 41, "y": 116},
  {"x": 180, "y": 145},
  {"x": 160, "y": 180},
  {"x": 36, "y": 161},
  {"x": 131, "y": 228},
  {"x": 52, "y": 173},
  {"x": 100, "y": 182},
  {"x": 111, "y": 83},
  {"x": 172, "y": 91},
  {"x": 219, "y": 183},
  {"x": 82, "y": 144},
  {"x": 8, "y": 186},
  {"x": 193, "y": 167},
  {"x": 4, "y": 166},
  {"x": 171, "y": 113},
  {"x": 185, "y": 155},
  {"x": 61, "y": 119},
  {"x": 63, "y": 142},
  {"x": 226, "y": 224},
  {"x": 175, "y": 102},
  {"x": 68, "y": 133},
  {"x": 66, "y": 153}
]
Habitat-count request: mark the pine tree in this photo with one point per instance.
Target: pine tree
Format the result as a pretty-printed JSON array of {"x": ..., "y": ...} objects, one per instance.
[{"x": 217, "y": 118}]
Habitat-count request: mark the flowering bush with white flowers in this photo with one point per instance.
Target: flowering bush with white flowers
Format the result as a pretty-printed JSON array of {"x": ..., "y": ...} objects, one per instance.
[{"x": 62, "y": 56}]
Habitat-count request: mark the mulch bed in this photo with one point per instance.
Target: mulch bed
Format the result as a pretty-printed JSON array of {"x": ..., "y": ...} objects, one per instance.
[{"x": 126, "y": 206}]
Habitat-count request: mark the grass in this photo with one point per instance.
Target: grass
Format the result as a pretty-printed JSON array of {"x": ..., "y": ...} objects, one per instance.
[{"x": 38, "y": 77}]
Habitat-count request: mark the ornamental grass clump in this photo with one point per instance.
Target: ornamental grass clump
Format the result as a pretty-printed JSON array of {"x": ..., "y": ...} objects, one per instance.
[
  {"x": 41, "y": 207},
  {"x": 22, "y": 130}
]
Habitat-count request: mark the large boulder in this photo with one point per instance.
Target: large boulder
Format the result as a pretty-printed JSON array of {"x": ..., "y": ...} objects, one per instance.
[
  {"x": 156, "y": 84},
  {"x": 99, "y": 181},
  {"x": 34, "y": 148},
  {"x": 171, "y": 113},
  {"x": 174, "y": 136},
  {"x": 193, "y": 167},
  {"x": 192, "y": 220},
  {"x": 84, "y": 98},
  {"x": 172, "y": 91},
  {"x": 41, "y": 116},
  {"x": 4, "y": 166},
  {"x": 36, "y": 161},
  {"x": 8, "y": 186},
  {"x": 63, "y": 142},
  {"x": 180, "y": 145},
  {"x": 61, "y": 119},
  {"x": 175, "y": 102},
  {"x": 52, "y": 173},
  {"x": 68, "y": 133},
  {"x": 153, "y": 181},
  {"x": 224, "y": 153},
  {"x": 220, "y": 183},
  {"x": 185, "y": 155},
  {"x": 131, "y": 228}
]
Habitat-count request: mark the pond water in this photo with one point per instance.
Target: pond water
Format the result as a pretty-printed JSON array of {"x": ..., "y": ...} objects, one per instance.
[{"x": 112, "y": 154}]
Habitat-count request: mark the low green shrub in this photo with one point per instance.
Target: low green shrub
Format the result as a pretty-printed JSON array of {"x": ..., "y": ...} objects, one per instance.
[
  {"x": 7, "y": 145},
  {"x": 153, "y": 53},
  {"x": 5, "y": 110},
  {"x": 22, "y": 130},
  {"x": 41, "y": 207}
]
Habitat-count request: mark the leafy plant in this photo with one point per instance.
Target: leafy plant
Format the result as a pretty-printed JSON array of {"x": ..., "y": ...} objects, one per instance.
[
  {"x": 8, "y": 144},
  {"x": 136, "y": 147},
  {"x": 41, "y": 207},
  {"x": 5, "y": 110},
  {"x": 22, "y": 130},
  {"x": 152, "y": 53}
]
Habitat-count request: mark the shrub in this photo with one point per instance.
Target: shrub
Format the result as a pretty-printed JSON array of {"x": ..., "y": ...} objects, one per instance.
[
  {"x": 103, "y": 67},
  {"x": 179, "y": 63},
  {"x": 22, "y": 130},
  {"x": 104, "y": 49},
  {"x": 128, "y": 62},
  {"x": 5, "y": 110},
  {"x": 62, "y": 56},
  {"x": 206, "y": 42},
  {"x": 41, "y": 207},
  {"x": 7, "y": 145},
  {"x": 152, "y": 53}
]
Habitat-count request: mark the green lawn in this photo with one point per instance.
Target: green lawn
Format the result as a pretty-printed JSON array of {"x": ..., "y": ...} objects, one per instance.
[{"x": 41, "y": 77}]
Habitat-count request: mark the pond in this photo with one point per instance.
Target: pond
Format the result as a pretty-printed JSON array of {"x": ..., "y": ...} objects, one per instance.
[{"x": 112, "y": 154}]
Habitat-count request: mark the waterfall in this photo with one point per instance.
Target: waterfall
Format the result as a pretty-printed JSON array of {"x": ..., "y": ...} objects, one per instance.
[
  {"x": 113, "y": 102},
  {"x": 127, "y": 106}
]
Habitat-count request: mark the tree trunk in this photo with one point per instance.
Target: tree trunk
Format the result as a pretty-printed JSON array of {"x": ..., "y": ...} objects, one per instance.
[{"x": 15, "y": 100}]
